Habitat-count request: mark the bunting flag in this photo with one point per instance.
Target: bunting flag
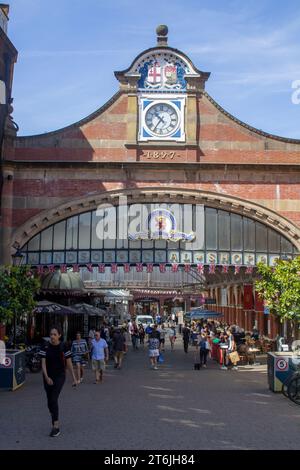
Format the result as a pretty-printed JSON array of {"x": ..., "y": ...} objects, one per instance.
[
  {"x": 149, "y": 267},
  {"x": 89, "y": 267},
  {"x": 162, "y": 267},
  {"x": 139, "y": 267},
  {"x": 101, "y": 268},
  {"x": 212, "y": 269},
  {"x": 200, "y": 268},
  {"x": 175, "y": 267},
  {"x": 114, "y": 268},
  {"x": 237, "y": 269},
  {"x": 126, "y": 268},
  {"x": 187, "y": 268},
  {"x": 41, "y": 269}
]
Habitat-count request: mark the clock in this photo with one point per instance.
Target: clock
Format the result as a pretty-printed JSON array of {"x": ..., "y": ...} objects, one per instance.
[{"x": 162, "y": 119}]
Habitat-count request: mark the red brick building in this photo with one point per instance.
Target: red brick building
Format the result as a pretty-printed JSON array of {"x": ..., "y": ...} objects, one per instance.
[{"x": 160, "y": 139}]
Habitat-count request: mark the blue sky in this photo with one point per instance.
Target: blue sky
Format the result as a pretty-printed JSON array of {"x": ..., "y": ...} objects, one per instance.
[{"x": 69, "y": 49}]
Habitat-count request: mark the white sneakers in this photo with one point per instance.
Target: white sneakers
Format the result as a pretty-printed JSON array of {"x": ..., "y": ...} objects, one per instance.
[{"x": 226, "y": 368}]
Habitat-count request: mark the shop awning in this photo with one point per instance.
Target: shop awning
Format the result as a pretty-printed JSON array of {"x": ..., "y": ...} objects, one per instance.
[
  {"x": 201, "y": 314},
  {"x": 117, "y": 295}
]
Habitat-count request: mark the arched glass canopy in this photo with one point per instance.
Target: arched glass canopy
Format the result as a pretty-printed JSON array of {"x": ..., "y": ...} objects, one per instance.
[{"x": 220, "y": 238}]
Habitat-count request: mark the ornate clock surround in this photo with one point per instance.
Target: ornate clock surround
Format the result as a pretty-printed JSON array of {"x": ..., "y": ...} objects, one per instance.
[{"x": 163, "y": 74}]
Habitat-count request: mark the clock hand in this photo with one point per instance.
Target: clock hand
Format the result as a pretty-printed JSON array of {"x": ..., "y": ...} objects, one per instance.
[{"x": 160, "y": 120}]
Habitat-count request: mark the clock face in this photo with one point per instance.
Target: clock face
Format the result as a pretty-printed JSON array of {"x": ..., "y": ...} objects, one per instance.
[{"x": 162, "y": 119}]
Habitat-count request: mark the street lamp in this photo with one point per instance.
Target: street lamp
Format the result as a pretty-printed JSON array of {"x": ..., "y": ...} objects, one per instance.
[
  {"x": 17, "y": 257},
  {"x": 17, "y": 261}
]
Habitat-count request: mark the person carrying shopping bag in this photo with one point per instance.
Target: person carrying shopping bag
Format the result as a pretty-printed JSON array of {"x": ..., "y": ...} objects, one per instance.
[{"x": 233, "y": 355}]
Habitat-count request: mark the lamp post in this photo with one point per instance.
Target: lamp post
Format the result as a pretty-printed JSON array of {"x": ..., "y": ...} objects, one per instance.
[
  {"x": 17, "y": 257},
  {"x": 17, "y": 261}
]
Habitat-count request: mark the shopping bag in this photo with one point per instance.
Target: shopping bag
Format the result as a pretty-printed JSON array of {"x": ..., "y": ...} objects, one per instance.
[
  {"x": 234, "y": 357},
  {"x": 161, "y": 359}
]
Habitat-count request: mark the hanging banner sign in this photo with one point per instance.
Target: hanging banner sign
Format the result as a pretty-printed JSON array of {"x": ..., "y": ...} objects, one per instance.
[{"x": 248, "y": 297}]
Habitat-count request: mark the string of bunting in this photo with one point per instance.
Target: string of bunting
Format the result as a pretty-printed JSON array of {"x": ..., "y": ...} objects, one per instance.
[{"x": 139, "y": 267}]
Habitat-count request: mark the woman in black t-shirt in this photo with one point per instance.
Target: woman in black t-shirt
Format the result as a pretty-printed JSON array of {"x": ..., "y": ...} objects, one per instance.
[{"x": 55, "y": 358}]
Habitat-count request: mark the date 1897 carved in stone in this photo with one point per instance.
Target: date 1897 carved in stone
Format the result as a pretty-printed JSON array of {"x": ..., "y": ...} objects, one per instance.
[{"x": 160, "y": 155}]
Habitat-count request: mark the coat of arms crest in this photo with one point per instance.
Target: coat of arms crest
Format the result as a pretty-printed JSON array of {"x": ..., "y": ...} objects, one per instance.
[{"x": 170, "y": 72}]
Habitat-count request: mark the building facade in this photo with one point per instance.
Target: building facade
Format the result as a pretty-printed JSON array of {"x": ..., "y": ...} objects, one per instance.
[
  {"x": 163, "y": 144},
  {"x": 8, "y": 57}
]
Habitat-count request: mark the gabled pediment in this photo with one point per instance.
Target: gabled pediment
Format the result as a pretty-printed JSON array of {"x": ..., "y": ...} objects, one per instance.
[{"x": 162, "y": 69}]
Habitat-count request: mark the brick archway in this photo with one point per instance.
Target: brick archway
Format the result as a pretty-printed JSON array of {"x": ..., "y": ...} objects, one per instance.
[{"x": 155, "y": 195}]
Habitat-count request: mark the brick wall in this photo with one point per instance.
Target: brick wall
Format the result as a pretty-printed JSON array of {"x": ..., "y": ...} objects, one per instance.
[{"x": 102, "y": 138}]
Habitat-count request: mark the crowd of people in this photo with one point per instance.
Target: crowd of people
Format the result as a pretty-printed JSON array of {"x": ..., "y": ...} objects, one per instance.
[
  {"x": 219, "y": 341},
  {"x": 222, "y": 342}
]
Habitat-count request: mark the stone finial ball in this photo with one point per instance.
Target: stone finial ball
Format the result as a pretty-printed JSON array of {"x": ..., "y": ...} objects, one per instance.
[{"x": 162, "y": 30}]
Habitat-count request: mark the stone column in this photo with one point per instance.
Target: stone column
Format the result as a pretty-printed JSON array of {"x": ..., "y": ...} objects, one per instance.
[
  {"x": 191, "y": 119},
  {"x": 260, "y": 322},
  {"x": 132, "y": 119},
  {"x": 6, "y": 225}
]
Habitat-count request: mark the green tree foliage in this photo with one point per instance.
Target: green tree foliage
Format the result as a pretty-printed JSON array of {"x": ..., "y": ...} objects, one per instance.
[
  {"x": 17, "y": 289},
  {"x": 279, "y": 286}
]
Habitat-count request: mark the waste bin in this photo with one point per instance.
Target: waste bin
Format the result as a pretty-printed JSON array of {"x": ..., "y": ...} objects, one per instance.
[
  {"x": 12, "y": 370},
  {"x": 281, "y": 366}
]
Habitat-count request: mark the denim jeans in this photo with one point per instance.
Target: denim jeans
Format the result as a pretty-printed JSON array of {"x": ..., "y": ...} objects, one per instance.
[
  {"x": 134, "y": 340},
  {"x": 53, "y": 392},
  {"x": 203, "y": 356}
]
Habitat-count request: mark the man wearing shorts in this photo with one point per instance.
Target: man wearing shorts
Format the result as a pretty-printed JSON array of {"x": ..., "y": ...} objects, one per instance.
[
  {"x": 99, "y": 356},
  {"x": 162, "y": 332},
  {"x": 154, "y": 348},
  {"x": 119, "y": 347}
]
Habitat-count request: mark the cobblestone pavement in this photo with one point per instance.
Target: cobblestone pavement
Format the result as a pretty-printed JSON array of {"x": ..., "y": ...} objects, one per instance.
[{"x": 174, "y": 407}]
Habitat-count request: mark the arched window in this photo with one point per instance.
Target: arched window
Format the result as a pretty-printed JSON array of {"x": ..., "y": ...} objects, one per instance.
[{"x": 220, "y": 237}]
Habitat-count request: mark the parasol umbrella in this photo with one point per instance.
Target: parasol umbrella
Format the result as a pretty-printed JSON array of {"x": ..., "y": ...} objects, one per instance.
[
  {"x": 88, "y": 309},
  {"x": 51, "y": 307}
]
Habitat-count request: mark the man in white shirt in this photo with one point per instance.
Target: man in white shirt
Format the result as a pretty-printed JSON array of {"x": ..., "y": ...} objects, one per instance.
[{"x": 180, "y": 321}]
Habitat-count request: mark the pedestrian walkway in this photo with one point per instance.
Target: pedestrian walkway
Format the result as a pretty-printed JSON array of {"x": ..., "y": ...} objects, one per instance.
[{"x": 174, "y": 407}]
